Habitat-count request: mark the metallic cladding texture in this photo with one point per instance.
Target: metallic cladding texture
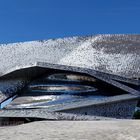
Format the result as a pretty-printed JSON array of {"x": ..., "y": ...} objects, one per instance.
[{"x": 117, "y": 54}]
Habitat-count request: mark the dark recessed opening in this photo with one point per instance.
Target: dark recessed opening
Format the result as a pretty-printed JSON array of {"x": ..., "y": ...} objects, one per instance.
[
  {"x": 13, "y": 121},
  {"x": 57, "y": 86},
  {"x": 103, "y": 87}
]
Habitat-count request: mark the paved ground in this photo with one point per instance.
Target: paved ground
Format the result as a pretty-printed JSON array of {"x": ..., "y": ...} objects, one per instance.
[{"x": 71, "y": 130}]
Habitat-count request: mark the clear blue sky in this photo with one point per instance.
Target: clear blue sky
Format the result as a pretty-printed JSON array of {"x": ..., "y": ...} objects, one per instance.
[{"x": 23, "y": 20}]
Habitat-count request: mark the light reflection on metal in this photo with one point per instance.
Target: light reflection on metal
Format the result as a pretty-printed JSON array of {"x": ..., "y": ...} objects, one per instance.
[
  {"x": 71, "y": 77},
  {"x": 61, "y": 88},
  {"x": 44, "y": 94}
]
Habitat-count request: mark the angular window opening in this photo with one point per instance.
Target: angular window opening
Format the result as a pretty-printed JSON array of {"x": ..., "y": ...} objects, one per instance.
[{"x": 58, "y": 87}]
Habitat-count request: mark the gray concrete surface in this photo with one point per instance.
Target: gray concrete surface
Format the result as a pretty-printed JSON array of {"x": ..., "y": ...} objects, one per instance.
[{"x": 73, "y": 130}]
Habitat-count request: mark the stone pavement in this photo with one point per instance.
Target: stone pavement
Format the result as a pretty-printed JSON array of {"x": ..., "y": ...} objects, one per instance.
[{"x": 74, "y": 130}]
